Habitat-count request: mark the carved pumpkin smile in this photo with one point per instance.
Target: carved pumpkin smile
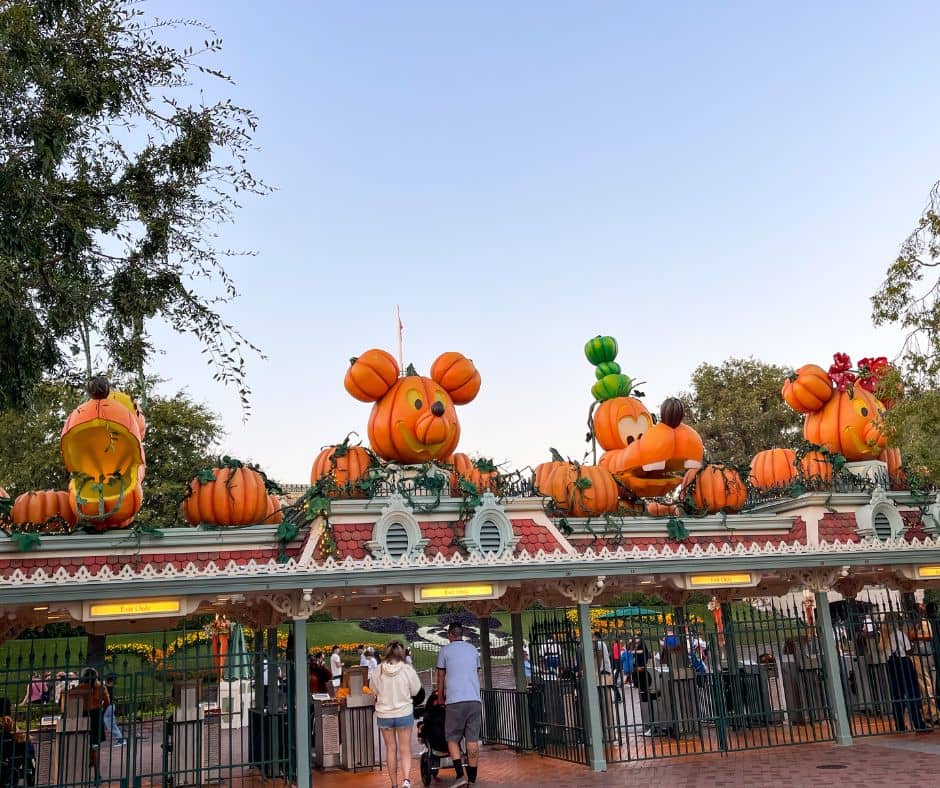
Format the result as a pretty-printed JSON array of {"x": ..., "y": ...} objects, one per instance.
[{"x": 655, "y": 463}]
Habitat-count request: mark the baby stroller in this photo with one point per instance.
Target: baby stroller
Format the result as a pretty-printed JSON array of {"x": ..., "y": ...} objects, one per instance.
[{"x": 435, "y": 756}]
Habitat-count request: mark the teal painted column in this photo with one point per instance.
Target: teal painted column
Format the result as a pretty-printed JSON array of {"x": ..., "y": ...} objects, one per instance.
[
  {"x": 485, "y": 656},
  {"x": 591, "y": 703},
  {"x": 518, "y": 644},
  {"x": 301, "y": 704},
  {"x": 827, "y": 642}
]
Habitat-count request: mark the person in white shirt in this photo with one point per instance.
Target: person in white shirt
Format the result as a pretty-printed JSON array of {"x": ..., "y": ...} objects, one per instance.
[
  {"x": 395, "y": 684},
  {"x": 371, "y": 662},
  {"x": 361, "y": 653},
  {"x": 336, "y": 666}
]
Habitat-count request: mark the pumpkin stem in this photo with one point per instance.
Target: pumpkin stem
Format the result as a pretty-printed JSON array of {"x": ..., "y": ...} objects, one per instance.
[
  {"x": 410, "y": 371},
  {"x": 98, "y": 387},
  {"x": 556, "y": 457}
]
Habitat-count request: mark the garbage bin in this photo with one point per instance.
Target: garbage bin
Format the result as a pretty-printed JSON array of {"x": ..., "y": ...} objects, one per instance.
[{"x": 327, "y": 753}]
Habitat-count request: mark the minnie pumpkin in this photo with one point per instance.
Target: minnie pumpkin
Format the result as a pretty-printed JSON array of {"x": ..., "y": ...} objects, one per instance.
[
  {"x": 414, "y": 418},
  {"x": 842, "y": 413}
]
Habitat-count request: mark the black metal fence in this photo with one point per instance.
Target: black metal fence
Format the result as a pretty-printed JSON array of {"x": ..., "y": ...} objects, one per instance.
[
  {"x": 889, "y": 660},
  {"x": 173, "y": 714}
]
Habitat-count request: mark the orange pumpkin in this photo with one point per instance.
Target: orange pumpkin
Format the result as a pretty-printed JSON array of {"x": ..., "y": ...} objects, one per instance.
[
  {"x": 482, "y": 474},
  {"x": 112, "y": 514},
  {"x": 620, "y": 421},
  {"x": 773, "y": 469},
  {"x": 235, "y": 496},
  {"x": 657, "y": 509},
  {"x": 371, "y": 375},
  {"x": 456, "y": 373},
  {"x": 348, "y": 464},
  {"x": 413, "y": 419},
  {"x": 849, "y": 424},
  {"x": 102, "y": 448},
  {"x": 275, "y": 513},
  {"x": 653, "y": 464},
  {"x": 40, "y": 507},
  {"x": 816, "y": 466},
  {"x": 808, "y": 389},
  {"x": 897, "y": 476},
  {"x": 714, "y": 488},
  {"x": 578, "y": 490}
]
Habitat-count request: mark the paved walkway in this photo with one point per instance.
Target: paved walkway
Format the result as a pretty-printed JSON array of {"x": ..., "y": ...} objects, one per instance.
[{"x": 895, "y": 761}]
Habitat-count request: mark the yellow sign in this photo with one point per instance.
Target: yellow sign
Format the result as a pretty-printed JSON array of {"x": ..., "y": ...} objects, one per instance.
[
  {"x": 456, "y": 592},
  {"x": 928, "y": 571},
  {"x": 134, "y": 607},
  {"x": 714, "y": 581}
]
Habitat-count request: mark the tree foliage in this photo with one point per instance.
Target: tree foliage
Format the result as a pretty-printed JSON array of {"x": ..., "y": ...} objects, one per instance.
[
  {"x": 115, "y": 172},
  {"x": 909, "y": 297},
  {"x": 180, "y": 436},
  {"x": 737, "y": 409}
]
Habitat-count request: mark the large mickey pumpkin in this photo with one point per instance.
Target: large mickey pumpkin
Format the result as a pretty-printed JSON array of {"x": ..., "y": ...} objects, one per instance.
[
  {"x": 620, "y": 421},
  {"x": 414, "y": 417},
  {"x": 654, "y": 464}
]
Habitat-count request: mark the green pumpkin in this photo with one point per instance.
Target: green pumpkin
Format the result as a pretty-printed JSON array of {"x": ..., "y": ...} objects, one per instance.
[
  {"x": 611, "y": 386},
  {"x": 607, "y": 368},
  {"x": 600, "y": 349}
]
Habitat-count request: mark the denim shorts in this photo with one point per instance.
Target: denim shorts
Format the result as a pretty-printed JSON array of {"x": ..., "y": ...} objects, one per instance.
[{"x": 396, "y": 722}]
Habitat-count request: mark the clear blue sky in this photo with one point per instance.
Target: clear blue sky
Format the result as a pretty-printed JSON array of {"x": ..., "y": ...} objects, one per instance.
[{"x": 699, "y": 180}]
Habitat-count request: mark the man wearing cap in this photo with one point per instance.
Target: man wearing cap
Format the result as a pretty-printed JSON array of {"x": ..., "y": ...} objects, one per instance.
[{"x": 458, "y": 686}]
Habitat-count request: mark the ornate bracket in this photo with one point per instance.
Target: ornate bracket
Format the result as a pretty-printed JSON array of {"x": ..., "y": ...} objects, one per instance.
[
  {"x": 399, "y": 512},
  {"x": 481, "y": 608},
  {"x": 818, "y": 579},
  {"x": 903, "y": 584},
  {"x": 515, "y": 600},
  {"x": 582, "y": 590},
  {"x": 298, "y": 605},
  {"x": 849, "y": 586}
]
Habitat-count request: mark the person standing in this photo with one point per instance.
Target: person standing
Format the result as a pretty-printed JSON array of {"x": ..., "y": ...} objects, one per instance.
[
  {"x": 336, "y": 667},
  {"x": 95, "y": 700},
  {"x": 372, "y": 663},
  {"x": 902, "y": 678},
  {"x": 604, "y": 667},
  {"x": 458, "y": 685},
  {"x": 361, "y": 656},
  {"x": 321, "y": 681},
  {"x": 114, "y": 732},
  {"x": 615, "y": 651},
  {"x": 395, "y": 684}
]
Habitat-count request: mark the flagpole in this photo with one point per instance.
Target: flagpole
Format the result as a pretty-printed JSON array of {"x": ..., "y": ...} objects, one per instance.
[{"x": 399, "y": 329}]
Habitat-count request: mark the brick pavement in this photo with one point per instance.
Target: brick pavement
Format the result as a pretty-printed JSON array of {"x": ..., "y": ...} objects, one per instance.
[{"x": 896, "y": 761}]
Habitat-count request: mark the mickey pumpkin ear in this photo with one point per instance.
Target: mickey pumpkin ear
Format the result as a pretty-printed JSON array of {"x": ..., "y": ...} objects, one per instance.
[
  {"x": 807, "y": 389},
  {"x": 370, "y": 376},
  {"x": 457, "y": 376}
]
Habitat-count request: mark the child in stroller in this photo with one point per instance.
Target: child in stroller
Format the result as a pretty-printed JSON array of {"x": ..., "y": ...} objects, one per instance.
[{"x": 431, "y": 734}]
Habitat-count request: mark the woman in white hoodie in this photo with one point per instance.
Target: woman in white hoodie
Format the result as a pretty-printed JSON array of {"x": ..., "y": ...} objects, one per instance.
[{"x": 395, "y": 683}]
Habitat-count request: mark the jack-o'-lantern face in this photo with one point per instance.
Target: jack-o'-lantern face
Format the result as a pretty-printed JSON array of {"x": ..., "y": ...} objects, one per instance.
[
  {"x": 414, "y": 417},
  {"x": 620, "y": 421},
  {"x": 414, "y": 422},
  {"x": 654, "y": 464},
  {"x": 851, "y": 424}
]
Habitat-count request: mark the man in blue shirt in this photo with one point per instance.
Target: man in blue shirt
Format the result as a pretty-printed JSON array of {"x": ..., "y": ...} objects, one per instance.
[{"x": 458, "y": 685}]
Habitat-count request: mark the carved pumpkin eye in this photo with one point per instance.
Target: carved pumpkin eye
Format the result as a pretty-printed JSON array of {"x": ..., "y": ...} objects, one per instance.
[
  {"x": 414, "y": 398},
  {"x": 860, "y": 408}
]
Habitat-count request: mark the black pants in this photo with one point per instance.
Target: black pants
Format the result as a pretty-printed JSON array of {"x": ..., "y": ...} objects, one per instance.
[{"x": 905, "y": 692}]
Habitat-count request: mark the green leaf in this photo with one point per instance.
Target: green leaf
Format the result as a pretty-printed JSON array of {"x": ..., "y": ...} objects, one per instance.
[{"x": 25, "y": 541}]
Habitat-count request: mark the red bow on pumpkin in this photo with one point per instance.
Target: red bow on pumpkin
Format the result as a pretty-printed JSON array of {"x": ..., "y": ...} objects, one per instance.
[{"x": 869, "y": 373}]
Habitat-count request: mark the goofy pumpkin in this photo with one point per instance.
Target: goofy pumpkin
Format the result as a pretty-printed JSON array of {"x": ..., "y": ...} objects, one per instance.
[
  {"x": 414, "y": 419},
  {"x": 842, "y": 412}
]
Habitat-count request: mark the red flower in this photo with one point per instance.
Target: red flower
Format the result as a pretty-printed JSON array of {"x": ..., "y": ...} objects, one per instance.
[
  {"x": 842, "y": 363},
  {"x": 842, "y": 380}
]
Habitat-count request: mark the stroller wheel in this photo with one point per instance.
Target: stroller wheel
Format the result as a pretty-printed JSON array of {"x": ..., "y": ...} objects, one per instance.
[{"x": 425, "y": 766}]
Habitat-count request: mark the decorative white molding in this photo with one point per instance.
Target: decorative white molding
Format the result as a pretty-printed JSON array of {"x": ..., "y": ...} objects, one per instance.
[
  {"x": 819, "y": 578},
  {"x": 397, "y": 511},
  {"x": 489, "y": 511},
  {"x": 880, "y": 504}
]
